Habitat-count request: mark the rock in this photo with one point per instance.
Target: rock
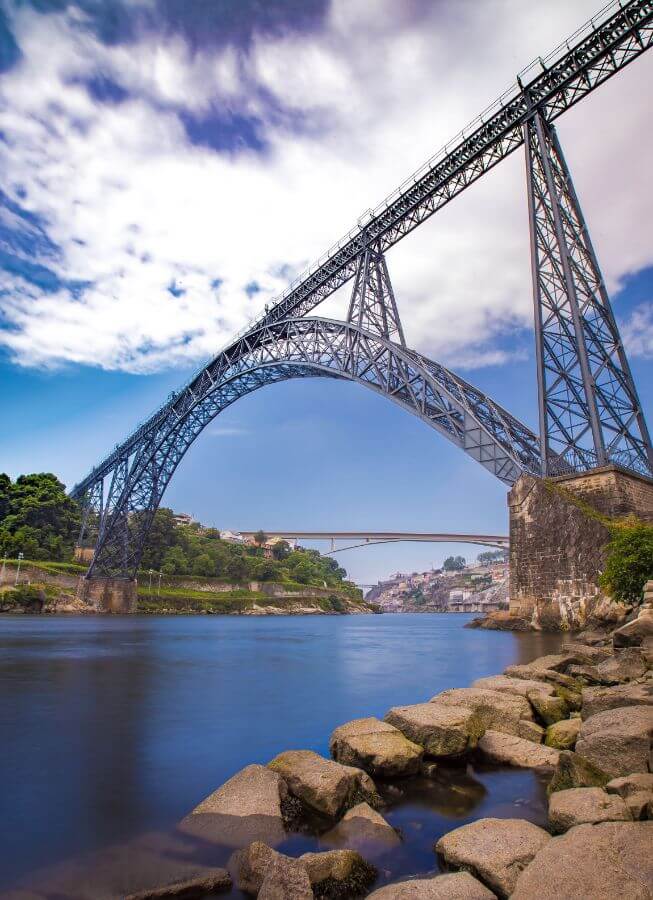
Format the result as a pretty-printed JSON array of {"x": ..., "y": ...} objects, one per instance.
[
  {"x": 495, "y": 709},
  {"x": 573, "y": 699},
  {"x": 591, "y": 638},
  {"x": 207, "y": 883},
  {"x": 630, "y": 784},
  {"x": 531, "y": 731},
  {"x": 375, "y": 746},
  {"x": 597, "y": 862},
  {"x": 338, "y": 873},
  {"x": 555, "y": 662},
  {"x": 428, "y": 769},
  {"x": 457, "y": 886},
  {"x": 625, "y": 665},
  {"x": 562, "y": 735},
  {"x": 250, "y": 866},
  {"x": 441, "y": 730},
  {"x": 287, "y": 879},
  {"x": 633, "y": 633},
  {"x": 362, "y": 829},
  {"x": 618, "y": 740},
  {"x": 638, "y": 805},
  {"x": 325, "y": 786},
  {"x": 600, "y": 699},
  {"x": 519, "y": 686},
  {"x": 531, "y": 673},
  {"x": 573, "y": 771},
  {"x": 494, "y": 850},
  {"x": 586, "y": 674},
  {"x": 587, "y": 805},
  {"x": 586, "y": 654},
  {"x": 549, "y": 709},
  {"x": 515, "y": 751},
  {"x": 246, "y": 808}
]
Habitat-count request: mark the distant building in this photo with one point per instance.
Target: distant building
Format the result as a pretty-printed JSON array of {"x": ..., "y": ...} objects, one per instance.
[
  {"x": 232, "y": 537},
  {"x": 183, "y": 519}
]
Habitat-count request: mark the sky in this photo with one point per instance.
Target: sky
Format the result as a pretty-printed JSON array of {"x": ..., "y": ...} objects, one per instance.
[{"x": 167, "y": 167}]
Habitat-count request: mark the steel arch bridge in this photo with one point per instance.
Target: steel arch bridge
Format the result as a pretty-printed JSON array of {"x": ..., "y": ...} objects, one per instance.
[{"x": 589, "y": 413}]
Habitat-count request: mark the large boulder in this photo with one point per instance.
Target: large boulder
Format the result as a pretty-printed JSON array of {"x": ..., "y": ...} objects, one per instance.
[
  {"x": 456, "y": 886},
  {"x": 246, "y": 808},
  {"x": 495, "y": 709},
  {"x": 338, "y": 873},
  {"x": 250, "y": 865},
  {"x": 579, "y": 806},
  {"x": 636, "y": 791},
  {"x": 287, "y": 879},
  {"x": 494, "y": 850},
  {"x": 600, "y": 699},
  {"x": 618, "y": 740},
  {"x": 441, "y": 730},
  {"x": 373, "y": 745},
  {"x": 634, "y": 633},
  {"x": 530, "y": 672},
  {"x": 585, "y": 653},
  {"x": 364, "y": 829},
  {"x": 507, "y": 749},
  {"x": 625, "y": 665},
  {"x": 325, "y": 786},
  {"x": 519, "y": 686},
  {"x": 572, "y": 771},
  {"x": 597, "y": 862},
  {"x": 549, "y": 709},
  {"x": 562, "y": 735}
]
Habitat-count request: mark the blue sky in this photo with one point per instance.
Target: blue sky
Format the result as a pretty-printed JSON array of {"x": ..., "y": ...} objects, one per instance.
[{"x": 168, "y": 167}]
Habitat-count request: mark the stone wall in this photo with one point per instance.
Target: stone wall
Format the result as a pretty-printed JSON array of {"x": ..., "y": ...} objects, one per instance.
[
  {"x": 108, "y": 595},
  {"x": 556, "y": 553}
]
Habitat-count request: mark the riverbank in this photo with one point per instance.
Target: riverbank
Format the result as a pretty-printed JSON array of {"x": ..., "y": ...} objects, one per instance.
[{"x": 580, "y": 719}]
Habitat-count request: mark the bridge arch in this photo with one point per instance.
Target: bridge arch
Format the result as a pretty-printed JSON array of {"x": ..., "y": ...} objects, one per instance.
[{"x": 292, "y": 348}]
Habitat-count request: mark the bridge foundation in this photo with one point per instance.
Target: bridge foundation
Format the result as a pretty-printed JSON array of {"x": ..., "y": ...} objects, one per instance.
[
  {"x": 108, "y": 595},
  {"x": 557, "y": 535}
]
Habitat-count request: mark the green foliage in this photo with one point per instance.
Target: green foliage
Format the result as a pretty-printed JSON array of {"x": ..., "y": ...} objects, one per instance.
[
  {"x": 27, "y": 596},
  {"x": 281, "y": 550},
  {"x": 629, "y": 560},
  {"x": 260, "y": 538},
  {"x": 37, "y": 518},
  {"x": 490, "y": 556},
  {"x": 454, "y": 564}
]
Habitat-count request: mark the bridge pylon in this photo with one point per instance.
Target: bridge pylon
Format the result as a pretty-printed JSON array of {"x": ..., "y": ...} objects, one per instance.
[
  {"x": 373, "y": 307},
  {"x": 589, "y": 411}
]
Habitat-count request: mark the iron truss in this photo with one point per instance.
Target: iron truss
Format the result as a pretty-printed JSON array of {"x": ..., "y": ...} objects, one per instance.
[
  {"x": 589, "y": 411},
  {"x": 299, "y": 348}
]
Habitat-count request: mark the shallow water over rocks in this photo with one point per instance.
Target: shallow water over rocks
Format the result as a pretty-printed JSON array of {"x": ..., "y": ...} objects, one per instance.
[{"x": 115, "y": 728}]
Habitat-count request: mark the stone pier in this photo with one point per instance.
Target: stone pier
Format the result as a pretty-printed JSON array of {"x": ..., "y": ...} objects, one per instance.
[
  {"x": 556, "y": 544},
  {"x": 108, "y": 595}
]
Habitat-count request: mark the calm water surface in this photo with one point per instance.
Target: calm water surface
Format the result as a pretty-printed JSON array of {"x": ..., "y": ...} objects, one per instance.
[{"x": 112, "y": 727}]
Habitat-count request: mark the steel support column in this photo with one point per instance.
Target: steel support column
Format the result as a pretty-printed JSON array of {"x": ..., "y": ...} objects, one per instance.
[
  {"x": 589, "y": 411},
  {"x": 373, "y": 307}
]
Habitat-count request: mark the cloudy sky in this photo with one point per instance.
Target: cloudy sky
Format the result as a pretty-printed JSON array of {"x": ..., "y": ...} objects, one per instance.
[{"x": 167, "y": 167}]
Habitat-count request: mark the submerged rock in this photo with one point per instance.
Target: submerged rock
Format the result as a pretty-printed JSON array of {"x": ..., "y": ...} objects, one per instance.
[
  {"x": 600, "y": 862},
  {"x": 338, "y": 873},
  {"x": 441, "y": 730},
  {"x": 574, "y": 771},
  {"x": 364, "y": 829},
  {"x": 578, "y": 806},
  {"x": 457, "y": 886},
  {"x": 245, "y": 808},
  {"x": 216, "y": 881},
  {"x": 325, "y": 786},
  {"x": 562, "y": 735},
  {"x": 515, "y": 751},
  {"x": 497, "y": 710},
  {"x": 494, "y": 850},
  {"x": 376, "y": 746},
  {"x": 618, "y": 740}
]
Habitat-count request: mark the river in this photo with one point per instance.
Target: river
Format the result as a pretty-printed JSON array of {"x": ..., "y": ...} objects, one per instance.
[{"x": 112, "y": 727}]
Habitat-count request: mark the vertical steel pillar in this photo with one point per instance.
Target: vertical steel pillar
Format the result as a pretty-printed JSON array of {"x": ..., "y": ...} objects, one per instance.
[
  {"x": 589, "y": 411},
  {"x": 373, "y": 306}
]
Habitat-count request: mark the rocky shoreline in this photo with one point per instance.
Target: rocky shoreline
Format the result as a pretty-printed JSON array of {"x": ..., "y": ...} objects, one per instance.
[{"x": 581, "y": 718}]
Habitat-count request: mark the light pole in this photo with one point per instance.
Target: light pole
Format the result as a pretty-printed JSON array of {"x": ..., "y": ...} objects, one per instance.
[
  {"x": 159, "y": 590},
  {"x": 4, "y": 566},
  {"x": 151, "y": 572},
  {"x": 20, "y": 557}
]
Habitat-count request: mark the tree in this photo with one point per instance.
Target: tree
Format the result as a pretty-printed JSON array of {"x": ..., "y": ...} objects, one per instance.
[
  {"x": 629, "y": 561},
  {"x": 260, "y": 538},
  {"x": 265, "y": 570},
  {"x": 236, "y": 568},
  {"x": 454, "y": 564},
  {"x": 281, "y": 550},
  {"x": 5, "y": 495},
  {"x": 490, "y": 556},
  {"x": 204, "y": 566},
  {"x": 161, "y": 538},
  {"x": 39, "y": 519},
  {"x": 175, "y": 562}
]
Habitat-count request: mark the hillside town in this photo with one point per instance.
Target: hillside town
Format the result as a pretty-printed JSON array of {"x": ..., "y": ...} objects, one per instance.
[{"x": 480, "y": 587}]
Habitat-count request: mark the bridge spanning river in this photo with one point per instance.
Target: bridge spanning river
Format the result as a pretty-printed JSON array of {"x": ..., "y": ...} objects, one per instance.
[
  {"x": 365, "y": 538},
  {"x": 589, "y": 413}
]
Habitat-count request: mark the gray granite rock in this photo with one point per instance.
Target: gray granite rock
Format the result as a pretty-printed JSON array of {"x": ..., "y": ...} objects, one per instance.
[
  {"x": 373, "y": 745},
  {"x": 457, "y": 886},
  {"x": 579, "y": 806},
  {"x": 618, "y": 740}
]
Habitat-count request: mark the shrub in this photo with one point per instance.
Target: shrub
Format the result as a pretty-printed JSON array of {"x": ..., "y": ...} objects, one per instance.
[
  {"x": 29, "y": 596},
  {"x": 629, "y": 561}
]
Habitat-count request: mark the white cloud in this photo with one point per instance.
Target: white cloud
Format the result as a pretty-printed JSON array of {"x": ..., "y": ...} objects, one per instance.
[
  {"x": 135, "y": 208},
  {"x": 228, "y": 431},
  {"x": 637, "y": 331}
]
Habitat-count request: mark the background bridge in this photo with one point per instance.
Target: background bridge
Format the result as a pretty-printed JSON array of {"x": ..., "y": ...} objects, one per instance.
[
  {"x": 589, "y": 414},
  {"x": 362, "y": 538}
]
